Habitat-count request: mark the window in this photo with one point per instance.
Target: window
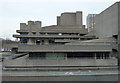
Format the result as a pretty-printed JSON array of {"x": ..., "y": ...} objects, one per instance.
[
  {"x": 23, "y": 40},
  {"x": 33, "y": 33},
  {"x": 24, "y": 33},
  {"x": 42, "y": 33},
  {"x": 38, "y": 42},
  {"x": 102, "y": 55}
]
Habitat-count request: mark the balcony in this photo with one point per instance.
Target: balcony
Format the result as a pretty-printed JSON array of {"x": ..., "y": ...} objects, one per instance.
[
  {"x": 57, "y": 29},
  {"x": 72, "y": 62},
  {"x": 64, "y": 48},
  {"x": 50, "y": 36}
]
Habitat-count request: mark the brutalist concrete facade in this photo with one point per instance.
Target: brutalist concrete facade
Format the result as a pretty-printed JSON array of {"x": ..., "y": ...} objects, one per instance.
[
  {"x": 64, "y": 41},
  {"x": 68, "y": 37},
  {"x": 107, "y": 24}
]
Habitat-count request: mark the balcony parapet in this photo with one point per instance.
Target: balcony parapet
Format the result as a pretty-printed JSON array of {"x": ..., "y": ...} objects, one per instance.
[
  {"x": 71, "y": 62},
  {"x": 64, "y": 48},
  {"x": 50, "y": 36}
]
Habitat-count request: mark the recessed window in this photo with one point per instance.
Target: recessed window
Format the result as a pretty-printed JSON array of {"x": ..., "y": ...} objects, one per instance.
[
  {"x": 38, "y": 42},
  {"x": 115, "y": 36},
  {"x": 42, "y": 33},
  {"x": 24, "y": 33},
  {"x": 33, "y": 33}
]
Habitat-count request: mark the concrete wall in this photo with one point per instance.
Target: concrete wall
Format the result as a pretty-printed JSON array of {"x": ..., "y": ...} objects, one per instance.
[
  {"x": 67, "y": 79},
  {"x": 69, "y": 62},
  {"x": 23, "y": 26},
  {"x": 64, "y": 48},
  {"x": 106, "y": 23},
  {"x": 34, "y": 26},
  {"x": 79, "y": 18},
  {"x": 70, "y": 18}
]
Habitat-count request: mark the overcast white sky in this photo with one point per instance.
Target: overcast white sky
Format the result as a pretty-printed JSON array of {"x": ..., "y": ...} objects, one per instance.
[{"x": 14, "y": 12}]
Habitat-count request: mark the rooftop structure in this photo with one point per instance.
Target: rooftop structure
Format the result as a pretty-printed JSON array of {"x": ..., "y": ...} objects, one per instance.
[{"x": 70, "y": 18}]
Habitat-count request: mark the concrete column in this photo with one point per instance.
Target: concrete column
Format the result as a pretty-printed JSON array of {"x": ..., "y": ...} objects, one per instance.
[
  {"x": 31, "y": 41},
  {"x": 37, "y": 33},
  {"x": 46, "y": 41},
  {"x": 95, "y": 55},
  {"x": 111, "y": 56},
  {"x": 65, "y": 56}
]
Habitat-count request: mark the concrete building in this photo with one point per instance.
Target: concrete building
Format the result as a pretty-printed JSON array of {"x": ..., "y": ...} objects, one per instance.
[
  {"x": 70, "y": 47},
  {"x": 90, "y": 22},
  {"x": 62, "y": 44},
  {"x": 9, "y": 45},
  {"x": 107, "y": 24}
]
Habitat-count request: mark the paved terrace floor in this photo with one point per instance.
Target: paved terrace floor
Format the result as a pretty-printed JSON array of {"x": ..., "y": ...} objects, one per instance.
[
  {"x": 88, "y": 75},
  {"x": 60, "y": 73}
]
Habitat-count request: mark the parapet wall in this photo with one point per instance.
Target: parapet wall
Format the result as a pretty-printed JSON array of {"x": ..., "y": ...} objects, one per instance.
[
  {"x": 74, "y": 62},
  {"x": 106, "y": 23}
]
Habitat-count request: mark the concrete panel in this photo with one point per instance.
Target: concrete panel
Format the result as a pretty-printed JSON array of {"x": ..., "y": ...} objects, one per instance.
[
  {"x": 23, "y": 26},
  {"x": 33, "y": 26},
  {"x": 79, "y": 18},
  {"x": 64, "y": 48},
  {"x": 106, "y": 23},
  {"x": 71, "y": 62},
  {"x": 68, "y": 19},
  {"x": 58, "y": 29},
  {"x": 72, "y": 78}
]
